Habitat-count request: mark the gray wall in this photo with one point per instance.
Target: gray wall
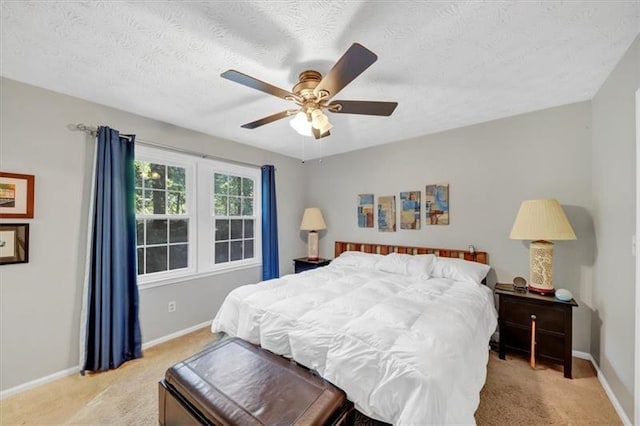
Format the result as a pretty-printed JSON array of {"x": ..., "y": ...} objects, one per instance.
[
  {"x": 491, "y": 169},
  {"x": 41, "y": 300},
  {"x": 614, "y": 198}
]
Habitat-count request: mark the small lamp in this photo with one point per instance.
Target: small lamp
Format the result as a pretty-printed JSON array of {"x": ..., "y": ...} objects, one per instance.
[
  {"x": 312, "y": 221},
  {"x": 540, "y": 221}
]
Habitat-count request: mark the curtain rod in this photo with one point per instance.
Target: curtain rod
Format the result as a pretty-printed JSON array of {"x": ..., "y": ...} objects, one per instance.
[{"x": 94, "y": 130}]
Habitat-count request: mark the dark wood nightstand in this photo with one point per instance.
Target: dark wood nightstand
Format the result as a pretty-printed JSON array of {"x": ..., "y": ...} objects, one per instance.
[
  {"x": 553, "y": 326},
  {"x": 304, "y": 264}
]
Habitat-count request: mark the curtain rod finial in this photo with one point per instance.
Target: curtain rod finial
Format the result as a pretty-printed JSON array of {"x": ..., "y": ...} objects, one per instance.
[{"x": 82, "y": 127}]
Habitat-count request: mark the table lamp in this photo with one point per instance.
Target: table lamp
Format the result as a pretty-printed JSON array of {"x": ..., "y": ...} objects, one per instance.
[
  {"x": 312, "y": 221},
  {"x": 541, "y": 221}
]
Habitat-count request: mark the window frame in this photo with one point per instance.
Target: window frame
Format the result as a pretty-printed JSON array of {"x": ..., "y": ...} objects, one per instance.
[
  {"x": 205, "y": 192},
  {"x": 199, "y": 180}
]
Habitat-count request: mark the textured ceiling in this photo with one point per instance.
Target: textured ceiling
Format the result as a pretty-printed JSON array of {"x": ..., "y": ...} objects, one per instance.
[{"x": 447, "y": 64}]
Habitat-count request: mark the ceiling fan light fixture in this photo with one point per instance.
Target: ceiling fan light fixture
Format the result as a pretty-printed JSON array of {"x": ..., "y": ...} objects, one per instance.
[
  {"x": 320, "y": 121},
  {"x": 301, "y": 125},
  {"x": 313, "y": 93},
  {"x": 325, "y": 127}
]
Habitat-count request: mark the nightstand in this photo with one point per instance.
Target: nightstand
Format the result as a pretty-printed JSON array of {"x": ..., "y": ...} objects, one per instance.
[
  {"x": 304, "y": 264},
  {"x": 553, "y": 326}
]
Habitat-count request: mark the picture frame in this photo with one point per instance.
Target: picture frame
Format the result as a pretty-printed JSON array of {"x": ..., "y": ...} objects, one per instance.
[
  {"x": 387, "y": 213},
  {"x": 365, "y": 210},
  {"x": 14, "y": 243},
  {"x": 437, "y": 204},
  {"x": 410, "y": 210},
  {"x": 16, "y": 195}
]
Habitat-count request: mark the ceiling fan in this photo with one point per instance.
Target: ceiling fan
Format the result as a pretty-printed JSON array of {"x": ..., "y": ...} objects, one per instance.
[{"x": 312, "y": 94}]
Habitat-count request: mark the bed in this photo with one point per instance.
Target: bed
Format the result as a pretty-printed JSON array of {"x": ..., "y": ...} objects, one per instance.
[{"x": 404, "y": 331}]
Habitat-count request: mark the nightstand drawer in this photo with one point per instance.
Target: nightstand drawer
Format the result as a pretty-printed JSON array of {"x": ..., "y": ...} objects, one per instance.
[
  {"x": 548, "y": 317},
  {"x": 548, "y": 345}
]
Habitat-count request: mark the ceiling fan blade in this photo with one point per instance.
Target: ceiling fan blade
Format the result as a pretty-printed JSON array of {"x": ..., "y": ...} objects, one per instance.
[
  {"x": 254, "y": 83},
  {"x": 355, "y": 60},
  {"x": 270, "y": 119},
  {"x": 364, "y": 107},
  {"x": 317, "y": 135}
]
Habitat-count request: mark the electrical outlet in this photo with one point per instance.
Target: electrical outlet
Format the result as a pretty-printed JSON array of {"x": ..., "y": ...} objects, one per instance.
[{"x": 172, "y": 306}]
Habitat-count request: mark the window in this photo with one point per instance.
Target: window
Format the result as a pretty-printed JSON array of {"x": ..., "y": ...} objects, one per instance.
[
  {"x": 194, "y": 216},
  {"x": 162, "y": 218},
  {"x": 233, "y": 218}
]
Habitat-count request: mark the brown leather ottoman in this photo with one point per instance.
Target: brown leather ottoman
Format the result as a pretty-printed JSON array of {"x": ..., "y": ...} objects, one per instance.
[{"x": 236, "y": 383}]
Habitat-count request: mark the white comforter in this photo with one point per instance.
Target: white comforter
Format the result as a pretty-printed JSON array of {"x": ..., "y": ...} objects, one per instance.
[{"x": 406, "y": 350}]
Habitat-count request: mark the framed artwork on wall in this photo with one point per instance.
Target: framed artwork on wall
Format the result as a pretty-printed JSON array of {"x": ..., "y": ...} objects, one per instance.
[
  {"x": 16, "y": 195},
  {"x": 437, "y": 204},
  {"x": 387, "y": 213},
  {"x": 365, "y": 210},
  {"x": 14, "y": 243},
  {"x": 410, "y": 210}
]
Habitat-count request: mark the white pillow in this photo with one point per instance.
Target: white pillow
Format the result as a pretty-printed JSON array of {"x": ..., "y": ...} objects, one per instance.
[
  {"x": 407, "y": 264},
  {"x": 421, "y": 264},
  {"x": 357, "y": 258},
  {"x": 459, "y": 269}
]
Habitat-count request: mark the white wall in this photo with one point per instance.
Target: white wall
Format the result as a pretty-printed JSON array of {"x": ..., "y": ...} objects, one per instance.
[
  {"x": 41, "y": 300},
  {"x": 614, "y": 195},
  {"x": 491, "y": 169}
]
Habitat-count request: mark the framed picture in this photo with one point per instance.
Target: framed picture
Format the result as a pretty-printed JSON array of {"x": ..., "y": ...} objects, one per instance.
[
  {"x": 387, "y": 213},
  {"x": 365, "y": 210},
  {"x": 410, "y": 210},
  {"x": 16, "y": 196},
  {"x": 14, "y": 243},
  {"x": 437, "y": 204}
]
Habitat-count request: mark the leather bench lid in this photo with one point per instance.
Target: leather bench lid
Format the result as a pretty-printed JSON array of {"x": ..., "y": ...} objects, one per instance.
[{"x": 235, "y": 382}]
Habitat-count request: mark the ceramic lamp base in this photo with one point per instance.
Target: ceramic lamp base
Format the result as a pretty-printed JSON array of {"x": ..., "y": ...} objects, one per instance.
[
  {"x": 541, "y": 267},
  {"x": 312, "y": 246}
]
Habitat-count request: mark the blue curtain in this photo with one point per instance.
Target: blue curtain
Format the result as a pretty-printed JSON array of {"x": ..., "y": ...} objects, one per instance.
[
  {"x": 270, "y": 268},
  {"x": 112, "y": 327}
]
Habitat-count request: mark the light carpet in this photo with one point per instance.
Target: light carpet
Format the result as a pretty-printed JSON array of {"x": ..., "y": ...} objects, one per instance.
[{"x": 513, "y": 394}]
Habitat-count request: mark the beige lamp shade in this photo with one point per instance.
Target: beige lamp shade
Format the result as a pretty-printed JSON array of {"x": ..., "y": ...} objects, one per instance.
[
  {"x": 312, "y": 220},
  {"x": 541, "y": 220}
]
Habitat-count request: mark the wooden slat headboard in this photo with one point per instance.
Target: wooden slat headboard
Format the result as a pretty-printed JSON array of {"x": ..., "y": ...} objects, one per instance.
[{"x": 476, "y": 256}]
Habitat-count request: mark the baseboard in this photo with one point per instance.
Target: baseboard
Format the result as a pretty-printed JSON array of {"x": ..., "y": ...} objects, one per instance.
[
  {"x": 583, "y": 355},
  {"x": 73, "y": 370},
  {"x": 605, "y": 385},
  {"x": 174, "y": 335},
  {"x": 37, "y": 382}
]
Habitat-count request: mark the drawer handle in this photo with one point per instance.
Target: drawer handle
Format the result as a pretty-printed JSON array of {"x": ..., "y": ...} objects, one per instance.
[{"x": 532, "y": 361}]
